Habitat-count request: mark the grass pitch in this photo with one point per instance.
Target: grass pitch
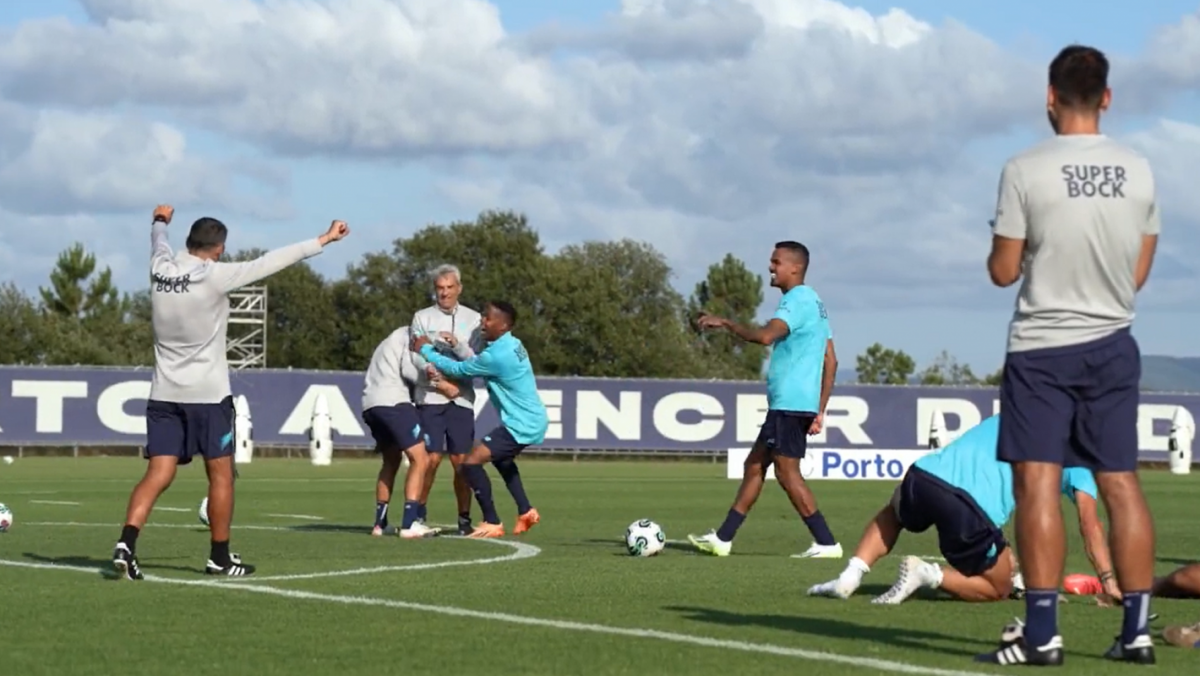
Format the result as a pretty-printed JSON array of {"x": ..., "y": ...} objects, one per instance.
[{"x": 562, "y": 599}]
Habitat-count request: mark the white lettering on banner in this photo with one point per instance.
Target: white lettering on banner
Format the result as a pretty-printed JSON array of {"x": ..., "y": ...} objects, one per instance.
[
  {"x": 847, "y": 414},
  {"x": 1148, "y": 413},
  {"x": 110, "y": 406},
  {"x": 552, "y": 400},
  {"x": 839, "y": 463},
  {"x": 666, "y": 416},
  {"x": 49, "y": 395},
  {"x": 341, "y": 416},
  {"x": 967, "y": 413},
  {"x": 995, "y": 407},
  {"x": 751, "y": 411},
  {"x": 623, "y": 420}
]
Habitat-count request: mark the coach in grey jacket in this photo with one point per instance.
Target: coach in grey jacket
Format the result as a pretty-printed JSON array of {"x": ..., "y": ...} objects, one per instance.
[
  {"x": 190, "y": 409},
  {"x": 449, "y": 424}
]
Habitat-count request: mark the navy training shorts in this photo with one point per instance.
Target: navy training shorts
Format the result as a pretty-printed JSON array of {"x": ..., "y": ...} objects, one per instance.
[
  {"x": 785, "y": 433},
  {"x": 396, "y": 427},
  {"x": 184, "y": 431},
  {"x": 502, "y": 445},
  {"x": 449, "y": 428},
  {"x": 1075, "y": 406},
  {"x": 967, "y": 538}
]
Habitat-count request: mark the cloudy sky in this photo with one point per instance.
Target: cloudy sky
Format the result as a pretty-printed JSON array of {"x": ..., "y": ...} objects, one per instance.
[{"x": 874, "y": 134}]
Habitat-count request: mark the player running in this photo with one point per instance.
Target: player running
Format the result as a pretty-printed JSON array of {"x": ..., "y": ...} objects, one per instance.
[
  {"x": 505, "y": 368},
  {"x": 966, "y": 494},
  {"x": 799, "y": 381},
  {"x": 389, "y": 413}
]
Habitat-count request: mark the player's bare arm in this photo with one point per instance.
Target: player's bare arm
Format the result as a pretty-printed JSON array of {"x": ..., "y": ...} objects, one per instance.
[
  {"x": 1004, "y": 263},
  {"x": 828, "y": 375},
  {"x": 767, "y": 334},
  {"x": 1145, "y": 260},
  {"x": 337, "y": 231}
]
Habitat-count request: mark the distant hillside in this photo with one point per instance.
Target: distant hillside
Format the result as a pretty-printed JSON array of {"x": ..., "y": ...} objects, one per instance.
[{"x": 1159, "y": 374}]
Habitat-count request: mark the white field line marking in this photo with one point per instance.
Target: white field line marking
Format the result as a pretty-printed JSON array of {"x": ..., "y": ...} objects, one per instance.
[
  {"x": 172, "y": 509},
  {"x": 626, "y": 632},
  {"x": 521, "y": 550},
  {"x": 55, "y": 502},
  {"x": 33, "y": 493},
  {"x": 305, "y": 517}
]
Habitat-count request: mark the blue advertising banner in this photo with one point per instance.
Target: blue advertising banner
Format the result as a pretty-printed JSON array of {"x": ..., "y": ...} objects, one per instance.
[{"x": 98, "y": 406}]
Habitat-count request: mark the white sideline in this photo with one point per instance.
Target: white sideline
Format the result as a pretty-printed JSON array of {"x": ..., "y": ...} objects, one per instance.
[
  {"x": 303, "y": 517},
  {"x": 55, "y": 502},
  {"x": 740, "y": 646}
]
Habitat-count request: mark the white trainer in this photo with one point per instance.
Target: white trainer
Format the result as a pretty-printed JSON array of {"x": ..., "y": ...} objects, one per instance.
[
  {"x": 839, "y": 588},
  {"x": 419, "y": 530},
  {"x": 816, "y": 551},
  {"x": 709, "y": 543},
  {"x": 914, "y": 574}
]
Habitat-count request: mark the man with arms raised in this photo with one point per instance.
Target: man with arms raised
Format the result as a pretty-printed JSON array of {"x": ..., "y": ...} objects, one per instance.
[
  {"x": 1077, "y": 217},
  {"x": 964, "y": 493},
  {"x": 799, "y": 381},
  {"x": 449, "y": 422},
  {"x": 389, "y": 413},
  {"x": 512, "y": 386},
  {"x": 190, "y": 409}
]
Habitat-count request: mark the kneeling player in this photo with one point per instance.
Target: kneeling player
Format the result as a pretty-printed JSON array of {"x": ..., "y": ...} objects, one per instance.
[
  {"x": 505, "y": 368},
  {"x": 966, "y": 494},
  {"x": 389, "y": 413}
]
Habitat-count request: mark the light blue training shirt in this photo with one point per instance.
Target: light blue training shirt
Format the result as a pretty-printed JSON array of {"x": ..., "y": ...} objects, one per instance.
[
  {"x": 798, "y": 359},
  {"x": 505, "y": 368},
  {"x": 970, "y": 464}
]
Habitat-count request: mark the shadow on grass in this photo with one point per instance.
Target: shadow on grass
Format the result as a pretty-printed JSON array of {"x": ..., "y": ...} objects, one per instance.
[
  {"x": 355, "y": 529},
  {"x": 104, "y": 566},
  {"x": 838, "y": 629},
  {"x": 1175, "y": 560}
]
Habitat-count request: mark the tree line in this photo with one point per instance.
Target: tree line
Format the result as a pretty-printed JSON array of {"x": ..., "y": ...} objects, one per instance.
[{"x": 601, "y": 309}]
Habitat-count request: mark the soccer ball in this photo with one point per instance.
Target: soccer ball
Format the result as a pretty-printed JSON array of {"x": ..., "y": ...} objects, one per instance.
[
  {"x": 6, "y": 518},
  {"x": 204, "y": 511},
  {"x": 644, "y": 538}
]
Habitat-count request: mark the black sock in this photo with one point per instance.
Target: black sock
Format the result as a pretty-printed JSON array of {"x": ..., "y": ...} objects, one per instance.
[
  {"x": 464, "y": 517},
  {"x": 129, "y": 536},
  {"x": 220, "y": 553},
  {"x": 381, "y": 510},
  {"x": 477, "y": 478}
]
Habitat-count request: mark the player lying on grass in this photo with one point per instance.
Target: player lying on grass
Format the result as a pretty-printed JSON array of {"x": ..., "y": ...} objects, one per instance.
[
  {"x": 389, "y": 413},
  {"x": 1181, "y": 583},
  {"x": 966, "y": 495},
  {"x": 506, "y": 370}
]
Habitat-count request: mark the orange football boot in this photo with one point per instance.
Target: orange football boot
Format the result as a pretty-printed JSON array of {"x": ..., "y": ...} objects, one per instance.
[
  {"x": 488, "y": 530},
  {"x": 526, "y": 521}
]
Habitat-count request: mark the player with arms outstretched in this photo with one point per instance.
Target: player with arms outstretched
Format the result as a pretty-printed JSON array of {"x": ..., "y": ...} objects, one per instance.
[
  {"x": 505, "y": 368},
  {"x": 966, "y": 494},
  {"x": 190, "y": 409},
  {"x": 799, "y": 382}
]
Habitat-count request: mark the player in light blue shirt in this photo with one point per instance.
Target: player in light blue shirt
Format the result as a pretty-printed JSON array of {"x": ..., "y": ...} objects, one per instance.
[
  {"x": 504, "y": 366},
  {"x": 966, "y": 495},
  {"x": 799, "y": 381}
]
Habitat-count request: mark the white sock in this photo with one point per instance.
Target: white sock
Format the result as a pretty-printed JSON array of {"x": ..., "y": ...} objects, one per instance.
[
  {"x": 937, "y": 575},
  {"x": 854, "y": 572},
  {"x": 859, "y": 565}
]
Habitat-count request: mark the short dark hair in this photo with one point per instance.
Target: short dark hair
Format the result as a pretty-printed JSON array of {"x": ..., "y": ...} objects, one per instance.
[
  {"x": 1079, "y": 76},
  {"x": 206, "y": 233},
  {"x": 796, "y": 248},
  {"x": 505, "y": 308}
]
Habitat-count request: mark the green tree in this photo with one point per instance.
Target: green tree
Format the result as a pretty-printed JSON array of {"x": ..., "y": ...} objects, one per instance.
[
  {"x": 946, "y": 370},
  {"x": 884, "y": 366},
  {"x": 730, "y": 290},
  {"x": 993, "y": 379},
  {"x": 499, "y": 254},
  {"x": 22, "y": 334},
  {"x": 610, "y": 310},
  {"x": 303, "y": 329},
  {"x": 75, "y": 292}
]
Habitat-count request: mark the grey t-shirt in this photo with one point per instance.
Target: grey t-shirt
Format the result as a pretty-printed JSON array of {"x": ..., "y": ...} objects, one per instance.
[
  {"x": 1082, "y": 204},
  {"x": 190, "y": 314},
  {"x": 391, "y": 374}
]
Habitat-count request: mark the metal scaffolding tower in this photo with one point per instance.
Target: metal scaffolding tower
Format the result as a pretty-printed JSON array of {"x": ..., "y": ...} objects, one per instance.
[{"x": 247, "y": 345}]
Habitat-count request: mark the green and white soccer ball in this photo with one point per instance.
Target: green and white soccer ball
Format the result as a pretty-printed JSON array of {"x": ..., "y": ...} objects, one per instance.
[
  {"x": 6, "y": 518},
  {"x": 203, "y": 511},
  {"x": 644, "y": 538}
]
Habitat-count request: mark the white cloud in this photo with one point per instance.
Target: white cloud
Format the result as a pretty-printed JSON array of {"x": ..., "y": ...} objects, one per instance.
[{"x": 701, "y": 126}]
